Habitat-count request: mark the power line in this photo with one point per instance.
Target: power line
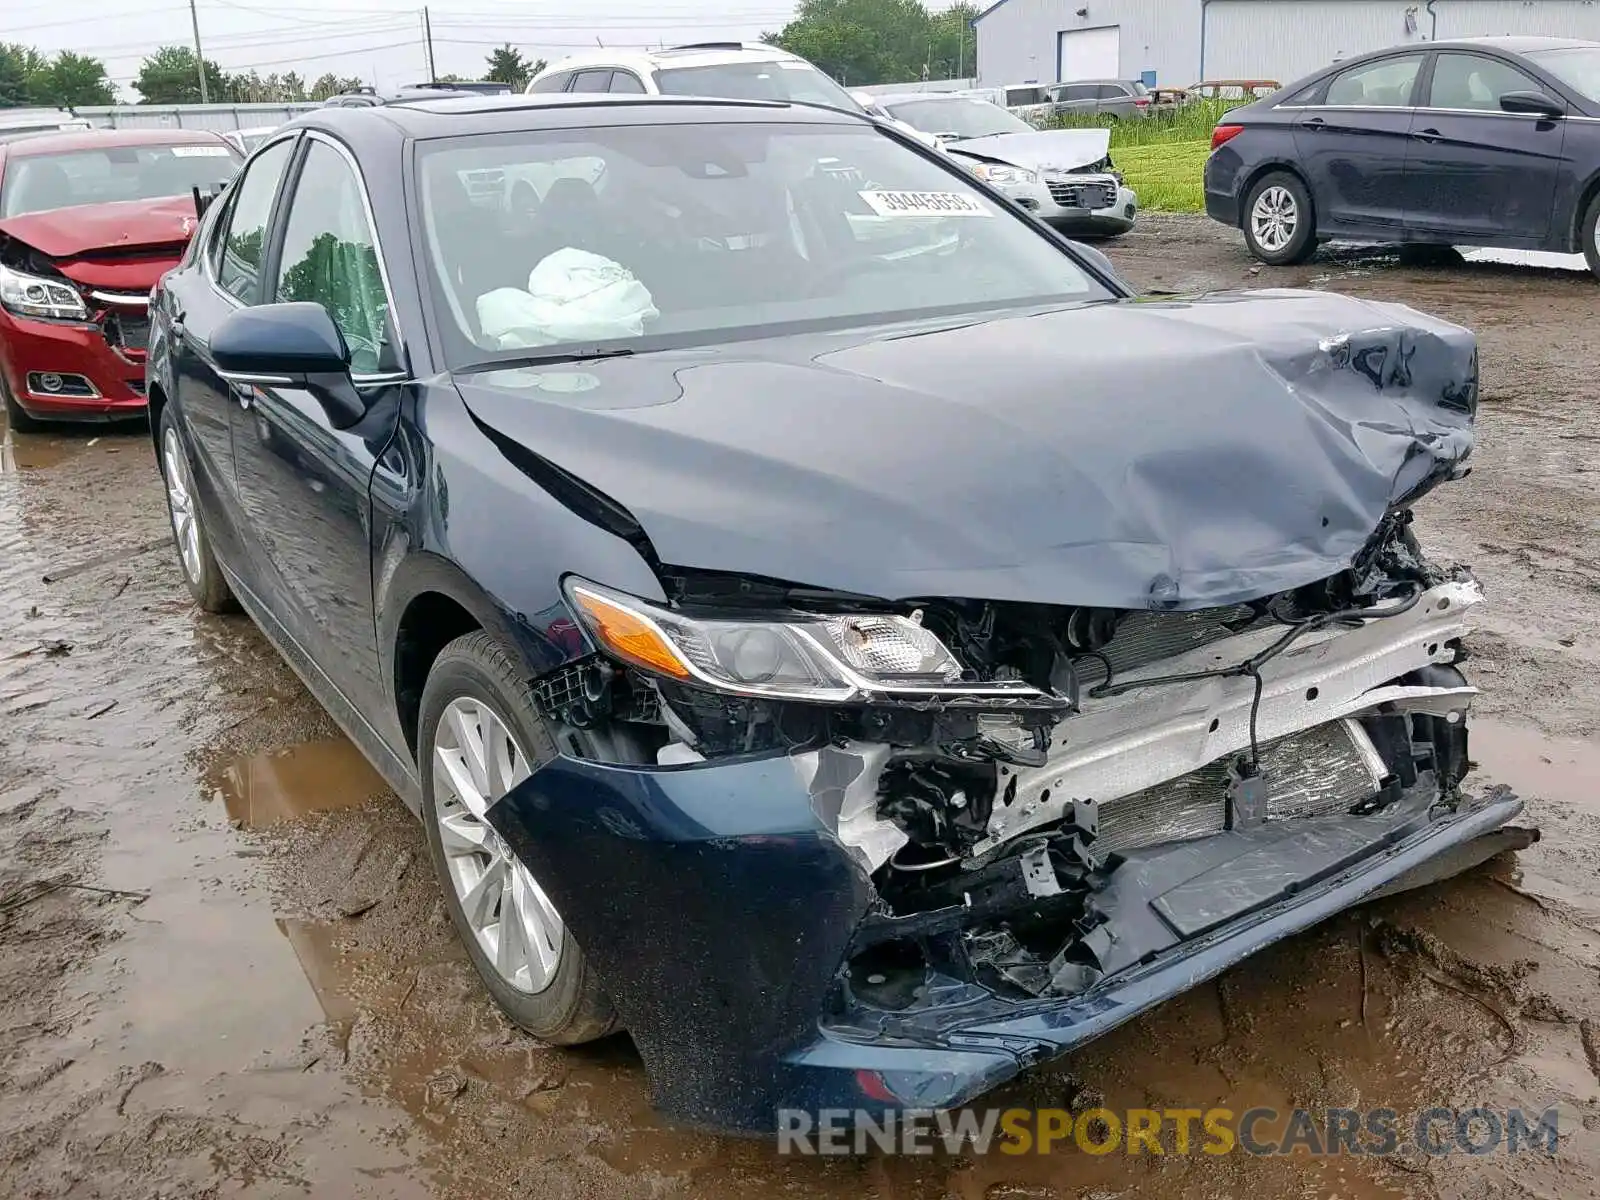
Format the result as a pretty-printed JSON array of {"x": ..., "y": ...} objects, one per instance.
[{"x": 12, "y": 31}]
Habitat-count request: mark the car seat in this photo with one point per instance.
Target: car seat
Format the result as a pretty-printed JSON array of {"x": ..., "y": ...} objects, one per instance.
[
  {"x": 572, "y": 215},
  {"x": 473, "y": 262}
]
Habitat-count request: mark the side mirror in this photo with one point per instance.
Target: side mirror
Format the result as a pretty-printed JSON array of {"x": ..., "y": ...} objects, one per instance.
[
  {"x": 290, "y": 346},
  {"x": 1533, "y": 104}
]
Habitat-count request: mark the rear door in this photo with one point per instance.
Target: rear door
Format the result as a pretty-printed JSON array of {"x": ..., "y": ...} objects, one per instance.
[
  {"x": 303, "y": 485},
  {"x": 228, "y": 277},
  {"x": 1078, "y": 97},
  {"x": 1353, "y": 143},
  {"x": 1114, "y": 99},
  {"x": 1477, "y": 172}
]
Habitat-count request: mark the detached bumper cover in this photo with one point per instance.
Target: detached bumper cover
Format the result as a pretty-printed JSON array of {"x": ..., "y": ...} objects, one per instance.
[{"x": 719, "y": 911}]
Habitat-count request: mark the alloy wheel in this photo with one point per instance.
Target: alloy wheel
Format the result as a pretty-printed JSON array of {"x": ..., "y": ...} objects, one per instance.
[
  {"x": 180, "y": 500},
  {"x": 476, "y": 760},
  {"x": 1274, "y": 218}
]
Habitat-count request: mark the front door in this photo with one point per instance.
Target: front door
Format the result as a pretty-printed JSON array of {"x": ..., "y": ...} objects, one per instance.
[
  {"x": 1353, "y": 143},
  {"x": 230, "y": 276},
  {"x": 303, "y": 485},
  {"x": 1477, "y": 172}
]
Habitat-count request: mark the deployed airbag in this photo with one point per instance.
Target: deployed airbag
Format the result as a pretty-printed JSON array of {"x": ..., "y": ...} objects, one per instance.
[{"x": 572, "y": 296}]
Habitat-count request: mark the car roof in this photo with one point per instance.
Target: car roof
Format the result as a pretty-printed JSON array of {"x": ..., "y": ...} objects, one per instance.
[
  {"x": 1514, "y": 45},
  {"x": 473, "y": 115},
  {"x": 95, "y": 139},
  {"x": 902, "y": 97},
  {"x": 701, "y": 54}
]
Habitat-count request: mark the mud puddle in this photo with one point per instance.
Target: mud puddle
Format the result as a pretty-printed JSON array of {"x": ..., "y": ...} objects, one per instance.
[
  {"x": 268, "y": 999},
  {"x": 267, "y": 789}
]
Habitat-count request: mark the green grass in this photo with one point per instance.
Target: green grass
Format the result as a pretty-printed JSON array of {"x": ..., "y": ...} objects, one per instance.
[
  {"x": 1162, "y": 156},
  {"x": 1165, "y": 174}
]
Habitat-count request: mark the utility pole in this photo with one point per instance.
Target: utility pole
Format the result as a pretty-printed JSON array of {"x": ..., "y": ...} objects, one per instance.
[
  {"x": 427, "y": 34},
  {"x": 200, "y": 58}
]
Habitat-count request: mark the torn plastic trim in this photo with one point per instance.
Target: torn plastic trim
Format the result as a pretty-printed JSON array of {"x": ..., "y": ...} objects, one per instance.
[
  {"x": 1034, "y": 1031},
  {"x": 1120, "y": 745}
]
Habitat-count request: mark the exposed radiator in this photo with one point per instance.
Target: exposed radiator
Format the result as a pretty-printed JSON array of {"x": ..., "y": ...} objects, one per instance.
[
  {"x": 1144, "y": 638},
  {"x": 1315, "y": 773}
]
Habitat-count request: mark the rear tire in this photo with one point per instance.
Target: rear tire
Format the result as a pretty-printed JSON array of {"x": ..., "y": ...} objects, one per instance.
[
  {"x": 479, "y": 734},
  {"x": 1591, "y": 235},
  {"x": 16, "y": 417},
  {"x": 1280, "y": 223},
  {"x": 195, "y": 558}
]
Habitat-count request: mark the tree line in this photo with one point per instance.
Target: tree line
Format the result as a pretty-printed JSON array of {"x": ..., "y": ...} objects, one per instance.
[
  {"x": 861, "y": 42},
  {"x": 171, "y": 75}
]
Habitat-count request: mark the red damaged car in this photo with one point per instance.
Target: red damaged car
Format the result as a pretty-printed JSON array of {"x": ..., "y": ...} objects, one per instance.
[{"x": 89, "y": 222}]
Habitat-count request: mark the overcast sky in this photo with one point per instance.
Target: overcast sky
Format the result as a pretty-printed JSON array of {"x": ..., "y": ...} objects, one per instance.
[{"x": 378, "y": 41}]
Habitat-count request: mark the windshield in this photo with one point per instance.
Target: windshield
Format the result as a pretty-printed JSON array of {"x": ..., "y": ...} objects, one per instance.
[
  {"x": 38, "y": 182},
  {"x": 780, "y": 79},
  {"x": 678, "y": 235},
  {"x": 1576, "y": 66},
  {"x": 962, "y": 117}
]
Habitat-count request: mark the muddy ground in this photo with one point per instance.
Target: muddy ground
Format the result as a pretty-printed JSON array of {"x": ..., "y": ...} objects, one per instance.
[{"x": 225, "y": 969}]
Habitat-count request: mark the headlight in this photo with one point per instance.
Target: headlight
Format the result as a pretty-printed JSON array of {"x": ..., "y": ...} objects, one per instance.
[
  {"x": 793, "y": 656},
  {"x": 997, "y": 173},
  {"x": 33, "y": 296}
]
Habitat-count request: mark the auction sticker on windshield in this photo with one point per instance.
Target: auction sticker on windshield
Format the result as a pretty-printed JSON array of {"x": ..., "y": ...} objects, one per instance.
[{"x": 924, "y": 204}]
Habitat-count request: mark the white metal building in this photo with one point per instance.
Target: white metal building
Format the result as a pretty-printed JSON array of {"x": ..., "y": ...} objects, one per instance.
[{"x": 1183, "y": 41}]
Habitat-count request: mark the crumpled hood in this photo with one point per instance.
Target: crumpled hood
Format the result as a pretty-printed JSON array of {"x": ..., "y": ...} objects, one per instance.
[
  {"x": 1044, "y": 150},
  {"x": 1133, "y": 454},
  {"x": 87, "y": 228}
]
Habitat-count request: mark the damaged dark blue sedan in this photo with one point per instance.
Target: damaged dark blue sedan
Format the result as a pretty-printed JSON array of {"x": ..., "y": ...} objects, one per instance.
[{"x": 828, "y": 626}]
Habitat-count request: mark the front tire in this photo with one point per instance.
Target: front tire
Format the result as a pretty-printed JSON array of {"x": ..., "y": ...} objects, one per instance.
[
  {"x": 195, "y": 558},
  {"x": 1280, "y": 224},
  {"x": 479, "y": 736},
  {"x": 19, "y": 420},
  {"x": 1591, "y": 235}
]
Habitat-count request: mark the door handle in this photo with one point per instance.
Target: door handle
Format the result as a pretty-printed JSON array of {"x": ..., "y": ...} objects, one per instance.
[
  {"x": 1428, "y": 135},
  {"x": 1314, "y": 123}
]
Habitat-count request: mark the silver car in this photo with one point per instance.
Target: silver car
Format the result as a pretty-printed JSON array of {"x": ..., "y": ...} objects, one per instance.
[
  {"x": 1065, "y": 177},
  {"x": 1125, "y": 99}
]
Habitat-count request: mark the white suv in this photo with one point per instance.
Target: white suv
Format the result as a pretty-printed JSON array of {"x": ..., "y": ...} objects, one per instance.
[{"x": 725, "y": 70}]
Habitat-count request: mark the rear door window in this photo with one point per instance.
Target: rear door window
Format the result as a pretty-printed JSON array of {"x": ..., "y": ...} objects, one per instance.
[
  {"x": 242, "y": 244},
  {"x": 1387, "y": 83},
  {"x": 626, "y": 82},
  {"x": 1111, "y": 91},
  {"x": 592, "y": 81}
]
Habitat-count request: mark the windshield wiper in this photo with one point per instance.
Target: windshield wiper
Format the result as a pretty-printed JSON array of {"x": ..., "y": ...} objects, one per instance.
[{"x": 577, "y": 354}]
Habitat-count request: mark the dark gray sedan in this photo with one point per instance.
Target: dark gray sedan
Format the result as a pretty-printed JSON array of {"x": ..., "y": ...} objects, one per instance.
[{"x": 1478, "y": 142}]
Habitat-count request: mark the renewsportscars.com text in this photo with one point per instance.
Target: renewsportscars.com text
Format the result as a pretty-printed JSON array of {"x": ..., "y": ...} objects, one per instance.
[{"x": 1170, "y": 1131}]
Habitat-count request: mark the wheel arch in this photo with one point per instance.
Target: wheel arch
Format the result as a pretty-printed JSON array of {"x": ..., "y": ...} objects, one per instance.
[
  {"x": 1260, "y": 172},
  {"x": 1586, "y": 196},
  {"x": 430, "y": 602}
]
